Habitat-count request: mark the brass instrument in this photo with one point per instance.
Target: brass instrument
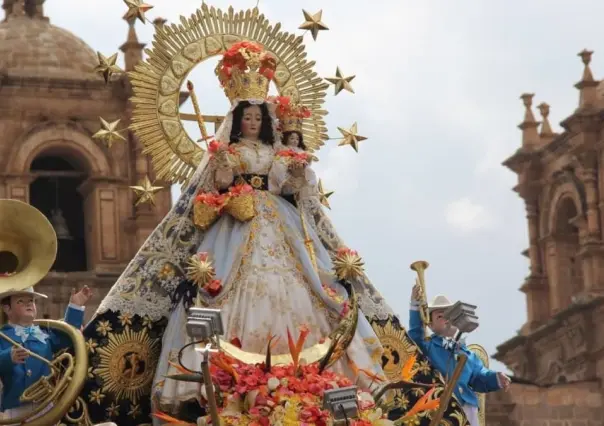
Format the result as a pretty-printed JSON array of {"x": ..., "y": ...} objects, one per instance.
[
  {"x": 28, "y": 247},
  {"x": 420, "y": 267}
]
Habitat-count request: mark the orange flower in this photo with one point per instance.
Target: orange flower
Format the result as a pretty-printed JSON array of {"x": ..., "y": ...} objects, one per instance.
[
  {"x": 296, "y": 348},
  {"x": 407, "y": 372},
  {"x": 218, "y": 201},
  {"x": 241, "y": 189},
  {"x": 171, "y": 420},
  {"x": 425, "y": 403}
]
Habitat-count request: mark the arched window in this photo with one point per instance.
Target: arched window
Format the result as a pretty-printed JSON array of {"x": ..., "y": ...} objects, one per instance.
[
  {"x": 568, "y": 265},
  {"x": 54, "y": 191}
]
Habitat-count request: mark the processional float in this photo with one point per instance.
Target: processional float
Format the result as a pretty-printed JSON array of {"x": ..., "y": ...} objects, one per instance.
[{"x": 123, "y": 351}]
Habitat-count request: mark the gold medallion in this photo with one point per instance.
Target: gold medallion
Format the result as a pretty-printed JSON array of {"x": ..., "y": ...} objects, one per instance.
[
  {"x": 397, "y": 348},
  {"x": 256, "y": 182},
  {"x": 127, "y": 364}
]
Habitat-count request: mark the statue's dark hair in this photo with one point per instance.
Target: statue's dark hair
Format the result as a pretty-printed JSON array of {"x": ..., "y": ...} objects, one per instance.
[
  {"x": 266, "y": 128},
  {"x": 286, "y": 135}
]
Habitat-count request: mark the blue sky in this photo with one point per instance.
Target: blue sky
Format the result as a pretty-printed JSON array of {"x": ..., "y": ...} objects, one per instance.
[{"x": 437, "y": 94}]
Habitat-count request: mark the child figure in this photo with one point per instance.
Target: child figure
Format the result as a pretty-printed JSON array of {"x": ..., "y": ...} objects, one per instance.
[
  {"x": 441, "y": 350},
  {"x": 18, "y": 370}
]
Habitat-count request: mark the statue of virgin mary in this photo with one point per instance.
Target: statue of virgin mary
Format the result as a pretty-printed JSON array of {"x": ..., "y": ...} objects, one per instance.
[{"x": 246, "y": 236}]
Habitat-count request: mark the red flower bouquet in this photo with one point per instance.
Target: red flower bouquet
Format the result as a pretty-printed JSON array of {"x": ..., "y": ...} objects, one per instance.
[
  {"x": 239, "y": 55},
  {"x": 207, "y": 208},
  {"x": 294, "y": 158},
  {"x": 241, "y": 204}
]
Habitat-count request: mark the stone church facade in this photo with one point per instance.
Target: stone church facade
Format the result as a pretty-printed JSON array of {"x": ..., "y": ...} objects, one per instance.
[
  {"x": 50, "y": 104},
  {"x": 558, "y": 357}
]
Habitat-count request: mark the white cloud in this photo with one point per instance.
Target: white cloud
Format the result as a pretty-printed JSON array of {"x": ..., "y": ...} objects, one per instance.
[{"x": 467, "y": 216}]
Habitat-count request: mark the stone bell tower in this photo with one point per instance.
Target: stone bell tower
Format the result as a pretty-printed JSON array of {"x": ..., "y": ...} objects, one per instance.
[
  {"x": 558, "y": 356},
  {"x": 50, "y": 104}
]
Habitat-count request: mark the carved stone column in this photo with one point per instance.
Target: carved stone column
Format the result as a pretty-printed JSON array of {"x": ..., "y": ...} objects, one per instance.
[
  {"x": 533, "y": 232},
  {"x": 17, "y": 187},
  {"x": 589, "y": 178}
]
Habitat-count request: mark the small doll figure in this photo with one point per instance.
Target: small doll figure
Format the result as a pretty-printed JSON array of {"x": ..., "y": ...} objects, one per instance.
[
  {"x": 19, "y": 370},
  {"x": 440, "y": 350}
]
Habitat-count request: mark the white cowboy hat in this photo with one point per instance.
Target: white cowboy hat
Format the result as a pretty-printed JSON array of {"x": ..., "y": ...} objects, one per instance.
[
  {"x": 439, "y": 302},
  {"x": 29, "y": 291}
]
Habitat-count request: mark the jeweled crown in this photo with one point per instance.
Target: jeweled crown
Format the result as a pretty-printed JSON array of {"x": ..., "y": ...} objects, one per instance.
[
  {"x": 291, "y": 115},
  {"x": 245, "y": 71}
]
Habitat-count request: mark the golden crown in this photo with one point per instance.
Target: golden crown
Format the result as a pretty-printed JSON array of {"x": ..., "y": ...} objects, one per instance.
[
  {"x": 245, "y": 71},
  {"x": 291, "y": 116}
]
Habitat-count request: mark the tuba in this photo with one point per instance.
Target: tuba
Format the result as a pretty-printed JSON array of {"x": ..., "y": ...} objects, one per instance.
[{"x": 28, "y": 247}]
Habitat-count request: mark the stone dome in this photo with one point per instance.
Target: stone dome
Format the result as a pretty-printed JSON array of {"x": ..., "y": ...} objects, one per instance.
[{"x": 31, "y": 47}]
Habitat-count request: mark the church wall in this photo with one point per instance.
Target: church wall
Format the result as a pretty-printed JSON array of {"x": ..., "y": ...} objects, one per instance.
[{"x": 578, "y": 404}]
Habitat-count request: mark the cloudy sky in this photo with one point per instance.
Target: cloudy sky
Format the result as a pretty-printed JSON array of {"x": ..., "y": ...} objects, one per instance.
[{"x": 437, "y": 94}]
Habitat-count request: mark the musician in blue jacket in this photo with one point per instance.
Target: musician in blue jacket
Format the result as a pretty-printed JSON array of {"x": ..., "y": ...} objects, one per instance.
[
  {"x": 441, "y": 350},
  {"x": 19, "y": 370}
]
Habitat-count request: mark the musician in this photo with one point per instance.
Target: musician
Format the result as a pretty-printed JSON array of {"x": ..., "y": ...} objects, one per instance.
[
  {"x": 18, "y": 369},
  {"x": 441, "y": 350}
]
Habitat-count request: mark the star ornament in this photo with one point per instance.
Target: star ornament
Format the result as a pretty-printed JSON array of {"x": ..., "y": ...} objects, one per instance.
[
  {"x": 313, "y": 23},
  {"x": 351, "y": 137},
  {"x": 109, "y": 132},
  {"x": 145, "y": 191},
  {"x": 200, "y": 269},
  {"x": 340, "y": 82},
  {"x": 107, "y": 66},
  {"x": 136, "y": 10},
  {"x": 324, "y": 196},
  {"x": 348, "y": 265}
]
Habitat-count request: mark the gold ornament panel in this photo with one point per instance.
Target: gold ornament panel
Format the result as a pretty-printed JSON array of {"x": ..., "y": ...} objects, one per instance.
[
  {"x": 482, "y": 354},
  {"x": 397, "y": 348},
  {"x": 177, "y": 49}
]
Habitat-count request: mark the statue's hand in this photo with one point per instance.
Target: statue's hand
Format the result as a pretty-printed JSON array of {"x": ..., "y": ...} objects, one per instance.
[
  {"x": 81, "y": 297},
  {"x": 18, "y": 355}
]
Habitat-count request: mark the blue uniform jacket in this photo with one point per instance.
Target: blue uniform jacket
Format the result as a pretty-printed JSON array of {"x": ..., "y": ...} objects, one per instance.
[
  {"x": 18, "y": 377},
  {"x": 475, "y": 377}
]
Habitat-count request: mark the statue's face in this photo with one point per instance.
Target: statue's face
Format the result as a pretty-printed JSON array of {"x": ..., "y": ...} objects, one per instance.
[
  {"x": 293, "y": 140},
  {"x": 22, "y": 309},
  {"x": 440, "y": 325},
  {"x": 251, "y": 122}
]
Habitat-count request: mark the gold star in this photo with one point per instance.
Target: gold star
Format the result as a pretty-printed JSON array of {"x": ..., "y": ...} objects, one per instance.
[
  {"x": 106, "y": 66},
  {"x": 323, "y": 196},
  {"x": 145, "y": 191},
  {"x": 340, "y": 82},
  {"x": 351, "y": 137},
  {"x": 313, "y": 23},
  {"x": 136, "y": 10},
  {"x": 108, "y": 132}
]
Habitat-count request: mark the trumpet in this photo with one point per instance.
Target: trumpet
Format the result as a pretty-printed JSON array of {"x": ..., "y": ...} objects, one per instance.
[{"x": 420, "y": 267}]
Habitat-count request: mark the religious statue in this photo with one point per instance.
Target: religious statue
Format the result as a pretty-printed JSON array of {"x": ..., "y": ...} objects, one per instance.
[
  {"x": 248, "y": 236},
  {"x": 441, "y": 349}
]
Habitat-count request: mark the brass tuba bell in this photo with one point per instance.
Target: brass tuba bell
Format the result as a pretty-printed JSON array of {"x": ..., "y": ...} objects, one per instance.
[{"x": 28, "y": 245}]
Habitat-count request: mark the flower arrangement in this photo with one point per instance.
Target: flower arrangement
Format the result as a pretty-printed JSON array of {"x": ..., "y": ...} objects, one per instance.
[
  {"x": 207, "y": 208},
  {"x": 241, "y": 204},
  {"x": 291, "y": 115},
  {"x": 294, "y": 158},
  {"x": 238, "y": 56},
  {"x": 201, "y": 271},
  {"x": 262, "y": 395},
  {"x": 348, "y": 264},
  {"x": 240, "y": 189}
]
